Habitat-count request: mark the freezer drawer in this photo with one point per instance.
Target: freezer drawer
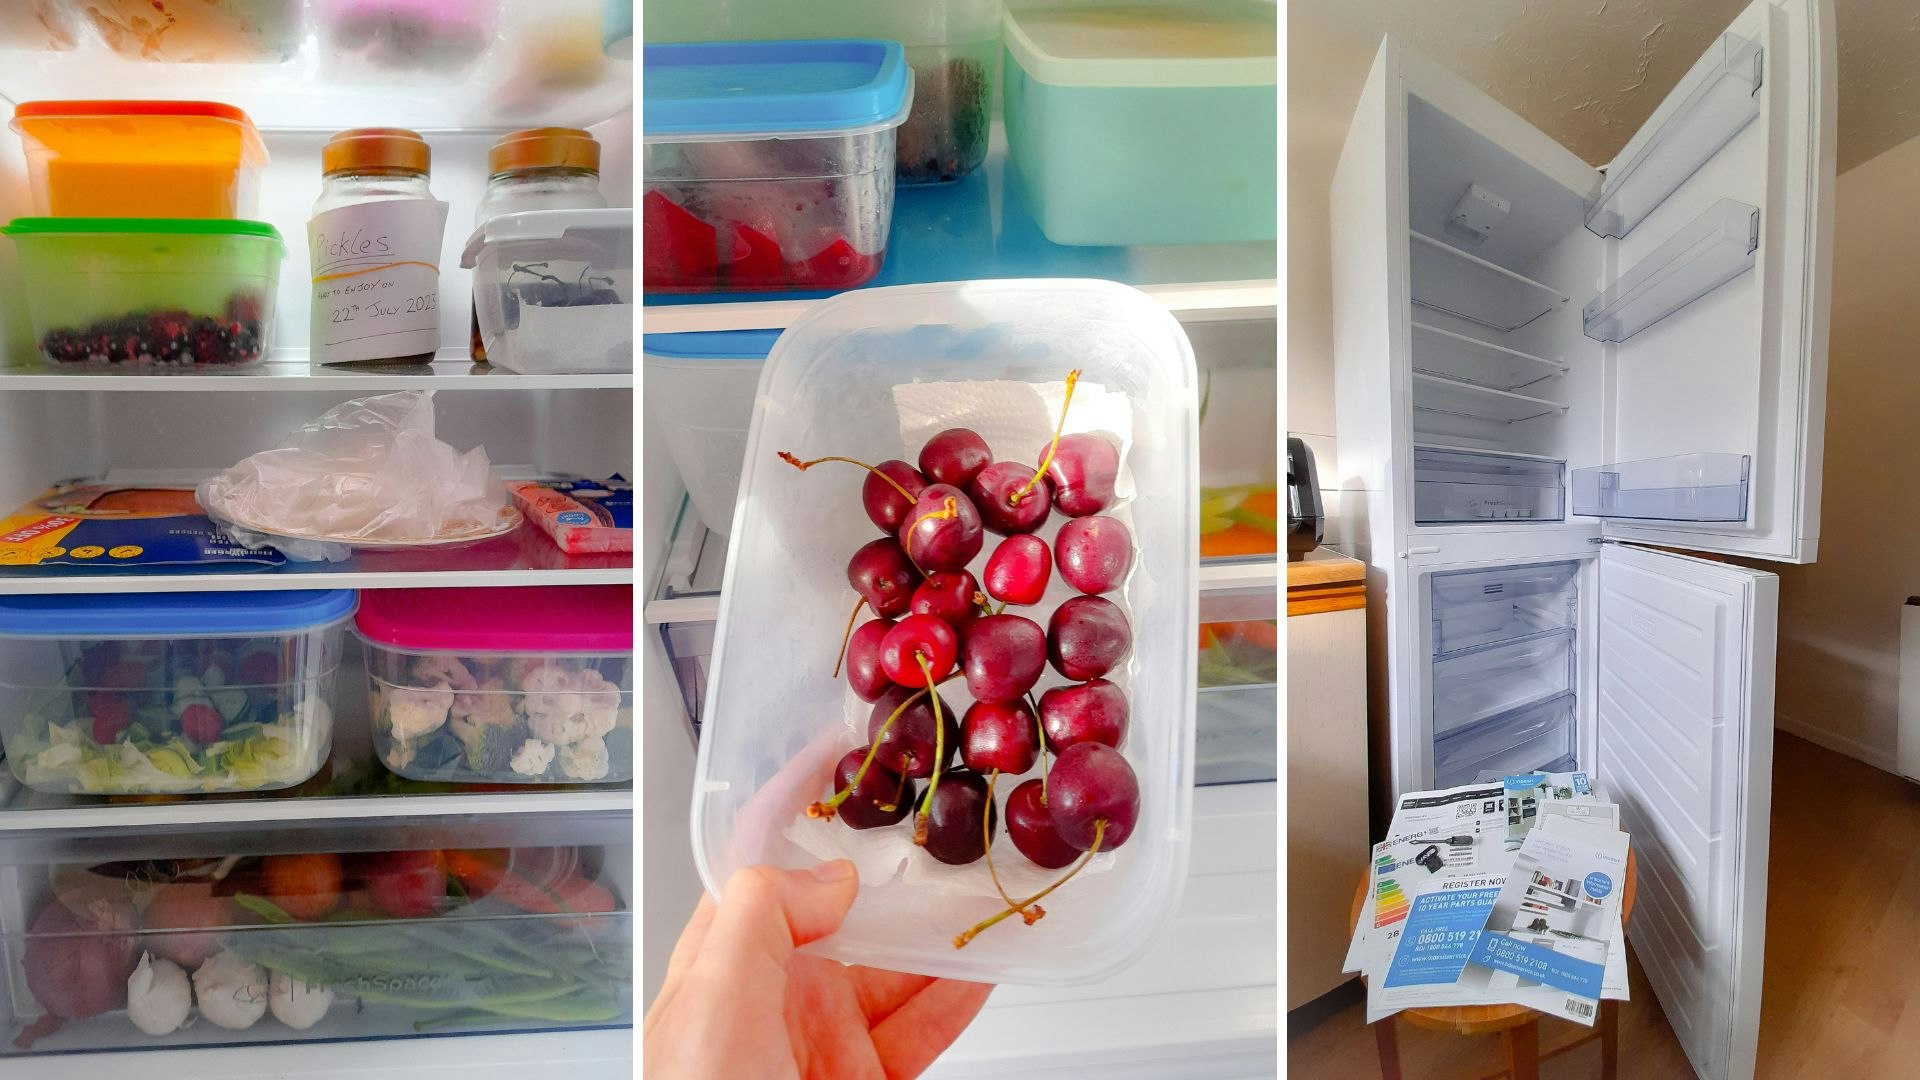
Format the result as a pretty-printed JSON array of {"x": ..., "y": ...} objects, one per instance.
[
  {"x": 1484, "y": 607},
  {"x": 1476, "y": 686},
  {"x": 1534, "y": 738},
  {"x": 1464, "y": 486}
]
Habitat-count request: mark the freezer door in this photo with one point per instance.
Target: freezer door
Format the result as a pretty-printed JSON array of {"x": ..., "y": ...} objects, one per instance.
[
  {"x": 1715, "y": 298},
  {"x": 1684, "y": 723}
]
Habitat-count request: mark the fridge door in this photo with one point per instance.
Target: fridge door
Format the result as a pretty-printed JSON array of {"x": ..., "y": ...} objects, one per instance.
[
  {"x": 1684, "y": 723},
  {"x": 1715, "y": 297}
]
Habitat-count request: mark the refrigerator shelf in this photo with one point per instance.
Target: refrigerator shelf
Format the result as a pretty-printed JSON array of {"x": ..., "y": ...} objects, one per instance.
[
  {"x": 1713, "y": 249},
  {"x": 1457, "y": 356},
  {"x": 1475, "y": 487},
  {"x": 1717, "y": 98},
  {"x": 1465, "y": 286},
  {"x": 1436, "y": 394},
  {"x": 1683, "y": 487},
  {"x": 1471, "y": 689},
  {"x": 1521, "y": 740},
  {"x": 291, "y": 373}
]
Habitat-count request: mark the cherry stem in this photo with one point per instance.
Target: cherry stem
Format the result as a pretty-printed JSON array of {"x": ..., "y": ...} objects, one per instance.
[
  {"x": 986, "y": 832},
  {"x": 1099, "y": 833},
  {"x": 986, "y": 606},
  {"x": 899, "y": 792},
  {"x": 848, "y": 636},
  {"x": 1002, "y": 609},
  {"x": 825, "y": 809},
  {"x": 803, "y": 466},
  {"x": 939, "y": 753},
  {"x": 1040, "y": 729},
  {"x": 948, "y": 509},
  {"x": 1014, "y": 499}
]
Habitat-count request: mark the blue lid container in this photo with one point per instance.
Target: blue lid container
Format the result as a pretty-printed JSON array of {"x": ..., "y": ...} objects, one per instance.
[
  {"x": 165, "y": 615},
  {"x": 766, "y": 89},
  {"x": 711, "y": 344}
]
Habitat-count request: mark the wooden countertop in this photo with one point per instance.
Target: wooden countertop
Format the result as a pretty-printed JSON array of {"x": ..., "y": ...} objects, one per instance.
[{"x": 1325, "y": 580}]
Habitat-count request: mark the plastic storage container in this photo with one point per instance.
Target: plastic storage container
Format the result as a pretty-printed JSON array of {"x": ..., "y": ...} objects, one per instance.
[
  {"x": 769, "y": 165},
  {"x": 528, "y": 685},
  {"x": 1135, "y": 123},
  {"x": 553, "y": 290},
  {"x": 169, "y": 693},
  {"x": 197, "y": 31},
  {"x": 953, "y": 47},
  {"x": 443, "y": 37},
  {"x": 146, "y": 294},
  {"x": 700, "y": 389},
  {"x": 873, "y": 374},
  {"x": 187, "y": 159}
]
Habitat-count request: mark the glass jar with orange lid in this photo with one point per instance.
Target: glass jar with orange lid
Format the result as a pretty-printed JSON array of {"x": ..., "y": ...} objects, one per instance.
[
  {"x": 374, "y": 241},
  {"x": 537, "y": 169}
]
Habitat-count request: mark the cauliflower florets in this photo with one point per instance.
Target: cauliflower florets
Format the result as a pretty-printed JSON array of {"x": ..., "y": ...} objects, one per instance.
[
  {"x": 447, "y": 669},
  {"x": 416, "y": 712},
  {"x": 534, "y": 758},
  {"x": 485, "y": 726},
  {"x": 585, "y": 760},
  {"x": 399, "y": 754},
  {"x": 574, "y": 706}
]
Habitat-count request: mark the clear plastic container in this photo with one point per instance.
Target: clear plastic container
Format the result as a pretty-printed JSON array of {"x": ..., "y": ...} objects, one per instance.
[
  {"x": 197, "y": 31},
  {"x": 149, "y": 294},
  {"x": 191, "y": 159},
  {"x": 873, "y": 374},
  {"x": 169, "y": 693},
  {"x": 443, "y": 37},
  {"x": 699, "y": 388},
  {"x": 781, "y": 180},
  {"x": 1134, "y": 123},
  {"x": 38, "y": 25},
  {"x": 554, "y": 290},
  {"x": 529, "y": 685},
  {"x": 953, "y": 47}
]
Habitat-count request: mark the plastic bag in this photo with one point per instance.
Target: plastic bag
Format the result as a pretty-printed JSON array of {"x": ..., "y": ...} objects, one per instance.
[{"x": 369, "y": 472}]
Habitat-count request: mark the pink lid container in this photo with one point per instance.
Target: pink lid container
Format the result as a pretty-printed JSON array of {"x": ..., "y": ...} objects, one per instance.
[{"x": 528, "y": 619}]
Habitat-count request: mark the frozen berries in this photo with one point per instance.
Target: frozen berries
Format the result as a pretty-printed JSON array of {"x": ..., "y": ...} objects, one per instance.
[{"x": 168, "y": 338}]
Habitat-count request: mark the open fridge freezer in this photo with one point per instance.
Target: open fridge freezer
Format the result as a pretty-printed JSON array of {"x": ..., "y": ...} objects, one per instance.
[
  {"x": 302, "y": 71},
  {"x": 1553, "y": 382}
]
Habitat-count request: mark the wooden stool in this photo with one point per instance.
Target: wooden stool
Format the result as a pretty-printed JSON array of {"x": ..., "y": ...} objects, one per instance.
[{"x": 1517, "y": 1025}]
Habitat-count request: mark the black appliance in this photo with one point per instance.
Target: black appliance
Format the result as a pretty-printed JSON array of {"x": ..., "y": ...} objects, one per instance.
[{"x": 1306, "y": 520}]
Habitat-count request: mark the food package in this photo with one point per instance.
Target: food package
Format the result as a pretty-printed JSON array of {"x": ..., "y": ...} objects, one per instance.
[
  {"x": 584, "y": 517},
  {"x": 367, "y": 473},
  {"x": 111, "y": 527}
]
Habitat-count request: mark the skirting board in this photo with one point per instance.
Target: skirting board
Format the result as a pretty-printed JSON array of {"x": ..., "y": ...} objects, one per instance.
[{"x": 1879, "y": 758}]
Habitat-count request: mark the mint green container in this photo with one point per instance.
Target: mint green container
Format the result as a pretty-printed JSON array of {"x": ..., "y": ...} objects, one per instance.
[
  {"x": 141, "y": 295},
  {"x": 1137, "y": 123}
]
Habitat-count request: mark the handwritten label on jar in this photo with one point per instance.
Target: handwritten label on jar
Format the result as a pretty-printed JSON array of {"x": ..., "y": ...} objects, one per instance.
[{"x": 376, "y": 280}]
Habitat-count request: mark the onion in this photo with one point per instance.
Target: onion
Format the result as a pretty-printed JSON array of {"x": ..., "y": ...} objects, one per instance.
[
  {"x": 76, "y": 968},
  {"x": 180, "y": 907}
]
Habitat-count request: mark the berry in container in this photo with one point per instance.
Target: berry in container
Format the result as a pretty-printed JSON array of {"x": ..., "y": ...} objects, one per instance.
[
  {"x": 769, "y": 165},
  {"x": 169, "y": 693},
  {"x": 146, "y": 295},
  {"x": 524, "y": 685},
  {"x": 192, "y": 159}
]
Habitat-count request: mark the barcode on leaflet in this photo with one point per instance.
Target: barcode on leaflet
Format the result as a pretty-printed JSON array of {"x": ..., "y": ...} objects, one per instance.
[{"x": 1582, "y": 1009}]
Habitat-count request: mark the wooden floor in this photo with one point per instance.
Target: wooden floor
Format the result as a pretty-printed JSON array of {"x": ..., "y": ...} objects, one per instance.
[{"x": 1842, "y": 986}]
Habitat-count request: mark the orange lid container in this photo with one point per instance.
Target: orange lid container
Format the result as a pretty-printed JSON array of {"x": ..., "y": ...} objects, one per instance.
[{"x": 173, "y": 159}]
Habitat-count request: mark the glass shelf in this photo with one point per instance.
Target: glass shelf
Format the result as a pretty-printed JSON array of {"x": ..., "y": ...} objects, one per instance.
[
  {"x": 1469, "y": 486},
  {"x": 1465, "y": 286},
  {"x": 1683, "y": 487},
  {"x": 1457, "y": 356},
  {"x": 1465, "y": 399},
  {"x": 1713, "y": 249},
  {"x": 450, "y": 372},
  {"x": 1717, "y": 99}
]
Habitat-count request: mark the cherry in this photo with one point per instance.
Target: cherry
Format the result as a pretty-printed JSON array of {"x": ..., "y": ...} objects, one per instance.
[
  {"x": 954, "y": 457},
  {"x": 888, "y": 492},
  {"x": 1030, "y": 827},
  {"x": 864, "y": 673},
  {"x": 111, "y": 713},
  {"x": 1012, "y": 498},
  {"x": 1094, "y": 553},
  {"x": 911, "y": 741},
  {"x": 1094, "y": 711},
  {"x": 960, "y": 817},
  {"x": 1094, "y": 797},
  {"x": 942, "y": 532},
  {"x": 1018, "y": 570},
  {"x": 1086, "y": 637},
  {"x": 883, "y": 576},
  {"x": 1004, "y": 657},
  {"x": 1083, "y": 469},
  {"x": 919, "y": 649},
  {"x": 949, "y": 595},
  {"x": 879, "y": 797},
  {"x": 999, "y": 737}
]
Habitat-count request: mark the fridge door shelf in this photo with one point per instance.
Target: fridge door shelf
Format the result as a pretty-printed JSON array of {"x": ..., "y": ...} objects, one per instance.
[
  {"x": 1717, "y": 99},
  {"x": 1469, "y": 486},
  {"x": 1683, "y": 487},
  {"x": 1523, "y": 740},
  {"x": 1713, "y": 249},
  {"x": 1477, "y": 685},
  {"x": 1496, "y": 367},
  {"x": 1477, "y": 402},
  {"x": 1455, "y": 283}
]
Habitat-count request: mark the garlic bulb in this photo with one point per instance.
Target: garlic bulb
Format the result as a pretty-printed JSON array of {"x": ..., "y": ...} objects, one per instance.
[
  {"x": 297, "y": 1004},
  {"x": 158, "y": 998},
  {"x": 232, "y": 990}
]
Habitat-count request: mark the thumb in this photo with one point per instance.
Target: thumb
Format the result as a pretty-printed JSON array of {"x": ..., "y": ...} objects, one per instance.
[{"x": 765, "y": 914}]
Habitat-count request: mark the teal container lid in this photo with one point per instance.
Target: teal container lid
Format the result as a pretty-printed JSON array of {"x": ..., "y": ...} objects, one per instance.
[
  {"x": 711, "y": 344},
  {"x": 772, "y": 87},
  {"x": 100, "y": 226},
  {"x": 167, "y": 614}
]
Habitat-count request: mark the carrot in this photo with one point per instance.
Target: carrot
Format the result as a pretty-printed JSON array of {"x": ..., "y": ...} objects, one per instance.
[
  {"x": 478, "y": 871},
  {"x": 1207, "y": 638},
  {"x": 1264, "y": 502},
  {"x": 1237, "y": 540},
  {"x": 1258, "y": 633}
]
